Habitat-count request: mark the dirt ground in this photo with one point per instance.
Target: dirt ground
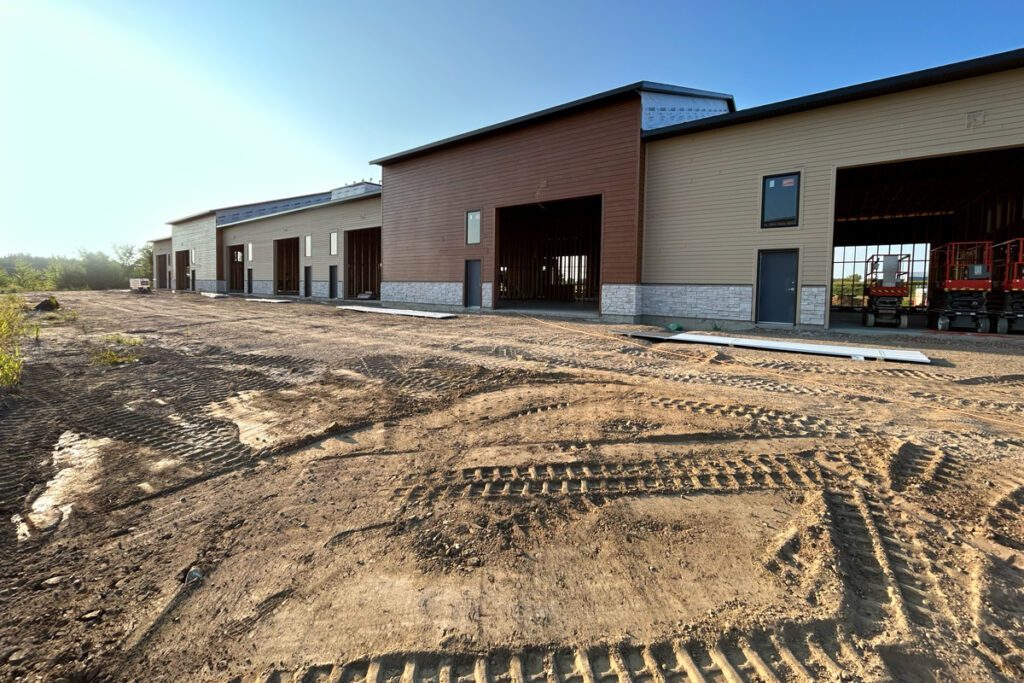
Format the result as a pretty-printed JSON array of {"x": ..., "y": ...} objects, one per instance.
[{"x": 288, "y": 492}]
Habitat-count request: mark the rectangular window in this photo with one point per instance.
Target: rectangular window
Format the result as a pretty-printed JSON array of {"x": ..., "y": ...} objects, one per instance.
[
  {"x": 309, "y": 245},
  {"x": 192, "y": 256},
  {"x": 250, "y": 251},
  {"x": 780, "y": 199},
  {"x": 472, "y": 227},
  {"x": 334, "y": 244}
]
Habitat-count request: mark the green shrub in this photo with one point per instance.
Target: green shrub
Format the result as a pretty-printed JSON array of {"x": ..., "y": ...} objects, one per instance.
[
  {"x": 12, "y": 328},
  {"x": 111, "y": 357},
  {"x": 10, "y": 369},
  {"x": 124, "y": 341}
]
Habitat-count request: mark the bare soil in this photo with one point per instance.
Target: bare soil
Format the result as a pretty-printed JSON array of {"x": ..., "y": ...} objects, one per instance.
[{"x": 295, "y": 493}]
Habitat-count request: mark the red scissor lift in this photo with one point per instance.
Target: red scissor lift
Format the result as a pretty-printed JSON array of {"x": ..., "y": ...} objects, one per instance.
[
  {"x": 960, "y": 280},
  {"x": 887, "y": 286},
  {"x": 1006, "y": 303}
]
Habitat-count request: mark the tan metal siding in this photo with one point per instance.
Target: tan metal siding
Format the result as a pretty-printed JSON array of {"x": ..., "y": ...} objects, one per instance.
[
  {"x": 317, "y": 222},
  {"x": 162, "y": 247},
  {"x": 199, "y": 234},
  {"x": 703, "y": 191}
]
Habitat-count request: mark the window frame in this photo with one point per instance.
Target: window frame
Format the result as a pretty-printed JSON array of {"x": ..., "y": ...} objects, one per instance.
[
  {"x": 248, "y": 251},
  {"x": 479, "y": 226},
  {"x": 333, "y": 243},
  {"x": 309, "y": 246},
  {"x": 764, "y": 196}
]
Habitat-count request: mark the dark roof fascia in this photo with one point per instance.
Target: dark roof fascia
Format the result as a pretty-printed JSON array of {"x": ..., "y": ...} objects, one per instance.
[
  {"x": 321, "y": 205},
  {"x": 241, "y": 206},
  {"x": 211, "y": 212},
  {"x": 1004, "y": 61},
  {"x": 606, "y": 97}
]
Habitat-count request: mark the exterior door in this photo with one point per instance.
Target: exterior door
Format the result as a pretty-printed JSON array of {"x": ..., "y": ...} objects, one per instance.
[
  {"x": 332, "y": 274},
  {"x": 236, "y": 273},
  {"x": 307, "y": 281},
  {"x": 776, "y": 287},
  {"x": 472, "y": 283}
]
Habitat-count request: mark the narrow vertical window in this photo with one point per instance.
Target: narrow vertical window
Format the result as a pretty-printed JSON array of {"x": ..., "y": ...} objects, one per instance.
[
  {"x": 250, "y": 251},
  {"x": 191, "y": 255},
  {"x": 309, "y": 245},
  {"x": 472, "y": 227},
  {"x": 780, "y": 200},
  {"x": 334, "y": 244}
]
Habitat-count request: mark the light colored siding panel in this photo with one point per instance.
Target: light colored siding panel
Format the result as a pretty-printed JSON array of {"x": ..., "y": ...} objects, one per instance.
[
  {"x": 199, "y": 234},
  {"x": 703, "y": 195},
  {"x": 318, "y": 222}
]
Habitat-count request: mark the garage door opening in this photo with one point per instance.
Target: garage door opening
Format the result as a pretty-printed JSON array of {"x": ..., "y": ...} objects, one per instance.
[
  {"x": 362, "y": 264},
  {"x": 549, "y": 254},
  {"x": 161, "y": 271},
  {"x": 181, "y": 270},
  {"x": 889, "y": 218},
  {"x": 286, "y": 266},
  {"x": 236, "y": 268}
]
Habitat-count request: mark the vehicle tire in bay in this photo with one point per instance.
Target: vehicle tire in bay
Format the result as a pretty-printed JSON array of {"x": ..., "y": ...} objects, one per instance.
[
  {"x": 984, "y": 325},
  {"x": 942, "y": 323},
  {"x": 1002, "y": 326},
  {"x": 904, "y": 321}
]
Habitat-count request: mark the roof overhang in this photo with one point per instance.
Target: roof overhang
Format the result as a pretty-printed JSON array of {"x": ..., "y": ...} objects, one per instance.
[
  {"x": 311, "y": 207},
  {"x": 573, "y": 107},
  {"x": 1004, "y": 61},
  {"x": 211, "y": 212}
]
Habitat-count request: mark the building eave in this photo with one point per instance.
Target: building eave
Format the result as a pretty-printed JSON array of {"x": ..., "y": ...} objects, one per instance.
[
  {"x": 322, "y": 205},
  {"x": 981, "y": 66},
  {"x": 572, "y": 107}
]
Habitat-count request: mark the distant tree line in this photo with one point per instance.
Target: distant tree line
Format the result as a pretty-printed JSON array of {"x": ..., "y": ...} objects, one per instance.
[{"x": 88, "y": 270}]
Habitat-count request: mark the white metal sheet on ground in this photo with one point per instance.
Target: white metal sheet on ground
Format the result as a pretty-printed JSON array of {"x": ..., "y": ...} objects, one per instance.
[
  {"x": 398, "y": 311},
  {"x": 214, "y": 295},
  {"x": 860, "y": 352},
  {"x": 271, "y": 301}
]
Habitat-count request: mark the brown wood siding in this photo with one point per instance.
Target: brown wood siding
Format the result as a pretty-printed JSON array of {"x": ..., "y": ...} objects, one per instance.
[{"x": 596, "y": 152}]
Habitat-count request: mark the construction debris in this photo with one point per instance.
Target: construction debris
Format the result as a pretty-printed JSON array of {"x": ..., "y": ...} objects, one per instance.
[
  {"x": 399, "y": 311},
  {"x": 854, "y": 352}
]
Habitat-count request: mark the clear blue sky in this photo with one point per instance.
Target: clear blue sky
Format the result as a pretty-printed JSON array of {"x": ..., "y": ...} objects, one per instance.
[{"x": 118, "y": 116}]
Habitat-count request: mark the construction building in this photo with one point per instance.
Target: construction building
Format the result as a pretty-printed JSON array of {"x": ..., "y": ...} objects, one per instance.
[
  {"x": 653, "y": 202},
  {"x": 322, "y": 245}
]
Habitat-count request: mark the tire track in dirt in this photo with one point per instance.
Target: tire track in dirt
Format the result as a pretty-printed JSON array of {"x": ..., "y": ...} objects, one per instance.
[
  {"x": 802, "y": 652},
  {"x": 642, "y": 478},
  {"x": 775, "y": 421},
  {"x": 996, "y": 605}
]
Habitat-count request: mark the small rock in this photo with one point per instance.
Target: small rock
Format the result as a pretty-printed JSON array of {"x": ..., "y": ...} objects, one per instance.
[
  {"x": 53, "y": 581},
  {"x": 194, "y": 574},
  {"x": 92, "y": 616},
  {"x": 17, "y": 656}
]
